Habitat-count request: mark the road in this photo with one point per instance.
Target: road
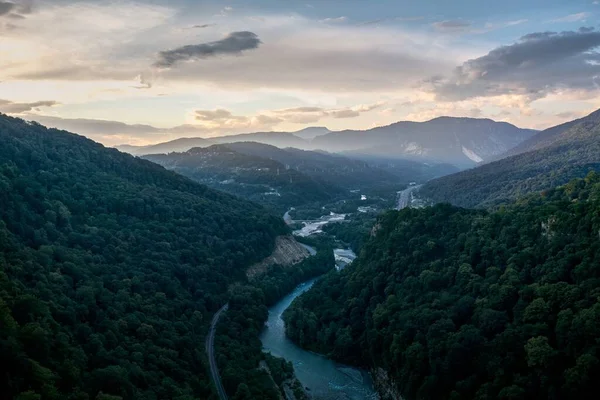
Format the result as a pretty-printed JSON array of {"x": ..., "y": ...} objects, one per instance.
[
  {"x": 404, "y": 197},
  {"x": 210, "y": 350}
]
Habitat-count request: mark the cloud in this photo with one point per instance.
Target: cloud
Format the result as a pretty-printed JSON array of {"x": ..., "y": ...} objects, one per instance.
[
  {"x": 224, "y": 121},
  {"x": 143, "y": 82},
  {"x": 369, "y": 107},
  {"x": 572, "y": 18},
  {"x": 516, "y": 22},
  {"x": 9, "y": 107},
  {"x": 389, "y": 19},
  {"x": 347, "y": 113},
  {"x": 232, "y": 44},
  {"x": 452, "y": 25},
  {"x": 299, "y": 110},
  {"x": 491, "y": 26},
  {"x": 115, "y": 133},
  {"x": 298, "y": 53},
  {"x": 215, "y": 115},
  {"x": 568, "y": 115},
  {"x": 538, "y": 64},
  {"x": 93, "y": 41},
  {"x": 202, "y": 26},
  {"x": 310, "y": 114},
  {"x": 6, "y": 7},
  {"x": 334, "y": 20}
]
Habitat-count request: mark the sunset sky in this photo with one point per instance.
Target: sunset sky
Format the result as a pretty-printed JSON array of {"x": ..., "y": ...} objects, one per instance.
[{"x": 149, "y": 71}]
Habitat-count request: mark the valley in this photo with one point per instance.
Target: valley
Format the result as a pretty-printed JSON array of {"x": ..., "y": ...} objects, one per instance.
[
  {"x": 298, "y": 273},
  {"x": 299, "y": 200}
]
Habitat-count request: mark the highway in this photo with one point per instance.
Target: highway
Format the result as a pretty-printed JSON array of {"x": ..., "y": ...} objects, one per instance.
[
  {"x": 404, "y": 197},
  {"x": 210, "y": 351}
]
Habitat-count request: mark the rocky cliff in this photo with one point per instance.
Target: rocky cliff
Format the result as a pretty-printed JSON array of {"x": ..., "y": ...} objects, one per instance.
[{"x": 287, "y": 252}]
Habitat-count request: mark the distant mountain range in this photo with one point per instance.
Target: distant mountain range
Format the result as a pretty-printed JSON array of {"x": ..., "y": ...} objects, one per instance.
[
  {"x": 551, "y": 158},
  {"x": 460, "y": 141},
  {"x": 177, "y": 145},
  {"x": 260, "y": 179},
  {"x": 312, "y": 132},
  {"x": 284, "y": 177}
]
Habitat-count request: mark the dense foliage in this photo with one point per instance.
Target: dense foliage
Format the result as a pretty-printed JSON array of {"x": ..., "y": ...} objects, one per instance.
[
  {"x": 282, "y": 280},
  {"x": 555, "y": 160},
  {"x": 283, "y": 178},
  {"x": 259, "y": 179},
  {"x": 238, "y": 346},
  {"x": 467, "y": 304},
  {"x": 334, "y": 169},
  {"x": 355, "y": 231},
  {"x": 110, "y": 268}
]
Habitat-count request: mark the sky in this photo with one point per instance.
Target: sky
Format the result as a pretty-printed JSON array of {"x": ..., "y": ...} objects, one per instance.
[{"x": 143, "y": 72}]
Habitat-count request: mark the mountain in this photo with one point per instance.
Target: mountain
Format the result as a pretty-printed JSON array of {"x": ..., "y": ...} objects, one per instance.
[
  {"x": 111, "y": 268},
  {"x": 278, "y": 139},
  {"x": 280, "y": 178},
  {"x": 558, "y": 155},
  {"x": 311, "y": 132},
  {"x": 463, "y": 142},
  {"x": 459, "y": 141},
  {"x": 257, "y": 178},
  {"x": 177, "y": 145},
  {"x": 335, "y": 169},
  {"x": 547, "y": 137},
  {"x": 449, "y": 303}
]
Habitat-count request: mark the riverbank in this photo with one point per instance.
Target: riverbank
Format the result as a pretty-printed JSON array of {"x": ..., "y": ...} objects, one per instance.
[
  {"x": 325, "y": 379},
  {"x": 238, "y": 350}
]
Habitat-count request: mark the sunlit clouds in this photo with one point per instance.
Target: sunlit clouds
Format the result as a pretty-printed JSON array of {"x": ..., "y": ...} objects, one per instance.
[{"x": 217, "y": 69}]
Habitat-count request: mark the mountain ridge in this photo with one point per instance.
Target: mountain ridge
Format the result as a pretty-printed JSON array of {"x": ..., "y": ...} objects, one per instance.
[
  {"x": 105, "y": 258},
  {"x": 567, "y": 151},
  {"x": 461, "y": 141}
]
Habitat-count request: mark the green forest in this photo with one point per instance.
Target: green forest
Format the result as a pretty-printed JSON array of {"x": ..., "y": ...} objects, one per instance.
[
  {"x": 238, "y": 346},
  {"x": 470, "y": 304},
  {"x": 110, "y": 269},
  {"x": 265, "y": 181},
  {"x": 568, "y": 154}
]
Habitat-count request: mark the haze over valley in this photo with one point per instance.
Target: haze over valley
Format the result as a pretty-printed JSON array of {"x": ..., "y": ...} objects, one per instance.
[{"x": 214, "y": 200}]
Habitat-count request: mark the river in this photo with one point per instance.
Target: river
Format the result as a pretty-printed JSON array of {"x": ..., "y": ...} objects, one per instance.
[
  {"x": 325, "y": 379},
  {"x": 314, "y": 226}
]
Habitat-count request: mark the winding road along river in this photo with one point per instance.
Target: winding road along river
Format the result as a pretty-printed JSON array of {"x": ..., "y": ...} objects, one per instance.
[{"x": 325, "y": 379}]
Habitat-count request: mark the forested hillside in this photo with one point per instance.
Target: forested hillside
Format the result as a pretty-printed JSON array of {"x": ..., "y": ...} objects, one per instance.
[
  {"x": 459, "y": 141},
  {"x": 266, "y": 181},
  {"x": 548, "y": 136},
  {"x": 110, "y": 268},
  {"x": 326, "y": 167},
  {"x": 470, "y": 304},
  {"x": 560, "y": 154}
]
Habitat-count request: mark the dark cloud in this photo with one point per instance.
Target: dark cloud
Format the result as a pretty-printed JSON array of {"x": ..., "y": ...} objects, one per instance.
[
  {"x": 10, "y": 107},
  {"x": 15, "y": 10},
  {"x": 538, "y": 36},
  {"x": 202, "y": 26},
  {"x": 536, "y": 65},
  {"x": 452, "y": 25},
  {"x": 6, "y": 7},
  {"x": 234, "y": 43}
]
